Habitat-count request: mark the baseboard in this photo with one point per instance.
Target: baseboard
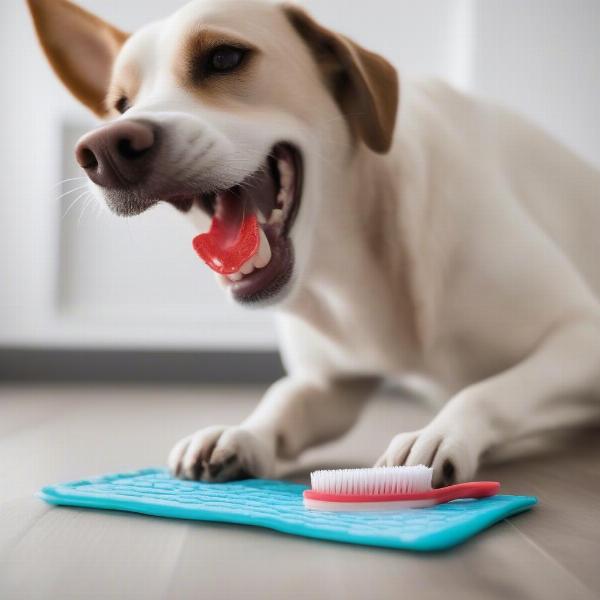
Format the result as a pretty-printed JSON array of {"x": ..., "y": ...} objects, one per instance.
[{"x": 137, "y": 366}]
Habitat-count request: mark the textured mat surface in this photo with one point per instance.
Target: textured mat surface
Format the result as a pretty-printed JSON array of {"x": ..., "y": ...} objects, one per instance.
[{"x": 278, "y": 505}]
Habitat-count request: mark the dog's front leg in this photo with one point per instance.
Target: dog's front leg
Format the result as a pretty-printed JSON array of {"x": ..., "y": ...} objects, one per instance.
[
  {"x": 294, "y": 414},
  {"x": 557, "y": 386}
]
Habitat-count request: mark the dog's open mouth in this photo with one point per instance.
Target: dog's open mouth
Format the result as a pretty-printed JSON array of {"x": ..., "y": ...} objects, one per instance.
[{"x": 248, "y": 241}]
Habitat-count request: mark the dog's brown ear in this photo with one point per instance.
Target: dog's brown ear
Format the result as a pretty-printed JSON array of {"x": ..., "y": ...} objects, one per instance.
[
  {"x": 363, "y": 83},
  {"x": 80, "y": 47}
]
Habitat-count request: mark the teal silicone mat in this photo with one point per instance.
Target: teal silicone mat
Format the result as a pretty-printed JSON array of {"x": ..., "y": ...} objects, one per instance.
[{"x": 278, "y": 505}]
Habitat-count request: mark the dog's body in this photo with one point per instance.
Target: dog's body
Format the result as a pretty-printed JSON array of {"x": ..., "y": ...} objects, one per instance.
[{"x": 460, "y": 245}]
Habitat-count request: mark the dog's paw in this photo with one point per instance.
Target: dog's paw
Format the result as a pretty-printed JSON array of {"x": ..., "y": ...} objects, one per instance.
[
  {"x": 222, "y": 453},
  {"x": 453, "y": 457}
]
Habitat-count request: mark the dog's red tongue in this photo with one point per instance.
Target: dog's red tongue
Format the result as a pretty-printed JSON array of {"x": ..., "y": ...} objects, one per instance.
[{"x": 233, "y": 237}]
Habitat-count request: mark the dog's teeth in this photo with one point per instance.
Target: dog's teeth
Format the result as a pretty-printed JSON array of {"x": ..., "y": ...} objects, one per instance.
[
  {"x": 262, "y": 258},
  {"x": 276, "y": 216},
  {"x": 247, "y": 267},
  {"x": 260, "y": 217},
  {"x": 285, "y": 174},
  {"x": 258, "y": 261}
]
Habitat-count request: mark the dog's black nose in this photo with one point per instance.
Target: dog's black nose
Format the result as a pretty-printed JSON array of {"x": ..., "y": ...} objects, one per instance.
[{"x": 119, "y": 155}]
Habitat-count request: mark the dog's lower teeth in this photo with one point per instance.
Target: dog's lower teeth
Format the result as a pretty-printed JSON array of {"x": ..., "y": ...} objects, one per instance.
[
  {"x": 248, "y": 267},
  {"x": 258, "y": 261},
  {"x": 263, "y": 256}
]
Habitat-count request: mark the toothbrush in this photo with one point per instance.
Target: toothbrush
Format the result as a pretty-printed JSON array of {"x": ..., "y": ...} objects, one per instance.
[{"x": 385, "y": 489}]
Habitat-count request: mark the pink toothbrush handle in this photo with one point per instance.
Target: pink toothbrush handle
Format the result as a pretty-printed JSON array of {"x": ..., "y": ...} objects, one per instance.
[{"x": 475, "y": 489}]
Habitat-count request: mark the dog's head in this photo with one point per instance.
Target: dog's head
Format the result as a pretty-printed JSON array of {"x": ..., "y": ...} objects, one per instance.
[{"x": 228, "y": 108}]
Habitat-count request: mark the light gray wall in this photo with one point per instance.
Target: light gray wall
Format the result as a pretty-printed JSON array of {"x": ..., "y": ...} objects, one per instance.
[
  {"x": 89, "y": 279},
  {"x": 542, "y": 57}
]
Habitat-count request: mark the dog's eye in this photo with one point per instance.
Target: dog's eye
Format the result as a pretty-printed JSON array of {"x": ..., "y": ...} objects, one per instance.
[
  {"x": 225, "y": 59},
  {"x": 122, "y": 104}
]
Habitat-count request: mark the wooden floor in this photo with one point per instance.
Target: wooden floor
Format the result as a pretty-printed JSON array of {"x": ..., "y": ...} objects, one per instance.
[{"x": 56, "y": 434}]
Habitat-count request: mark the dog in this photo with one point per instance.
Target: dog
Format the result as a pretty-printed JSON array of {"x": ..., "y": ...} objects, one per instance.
[{"x": 403, "y": 227}]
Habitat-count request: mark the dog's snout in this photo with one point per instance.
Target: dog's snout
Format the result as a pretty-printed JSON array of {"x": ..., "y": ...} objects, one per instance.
[{"x": 118, "y": 155}]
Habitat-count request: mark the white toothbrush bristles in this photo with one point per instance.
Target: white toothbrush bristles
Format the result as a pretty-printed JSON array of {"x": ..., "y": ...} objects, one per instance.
[{"x": 375, "y": 481}]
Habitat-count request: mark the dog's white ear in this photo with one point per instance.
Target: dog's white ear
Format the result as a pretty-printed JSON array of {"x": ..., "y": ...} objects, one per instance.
[
  {"x": 364, "y": 84},
  {"x": 80, "y": 47}
]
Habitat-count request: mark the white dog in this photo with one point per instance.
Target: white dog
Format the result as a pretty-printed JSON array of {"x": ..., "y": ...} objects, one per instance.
[{"x": 400, "y": 228}]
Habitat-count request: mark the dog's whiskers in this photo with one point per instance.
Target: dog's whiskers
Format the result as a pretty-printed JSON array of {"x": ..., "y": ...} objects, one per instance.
[
  {"x": 77, "y": 189},
  {"x": 80, "y": 197},
  {"x": 89, "y": 200},
  {"x": 59, "y": 183}
]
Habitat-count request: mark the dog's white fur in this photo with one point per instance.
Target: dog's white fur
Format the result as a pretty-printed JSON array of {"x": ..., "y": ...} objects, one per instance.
[{"x": 467, "y": 254}]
